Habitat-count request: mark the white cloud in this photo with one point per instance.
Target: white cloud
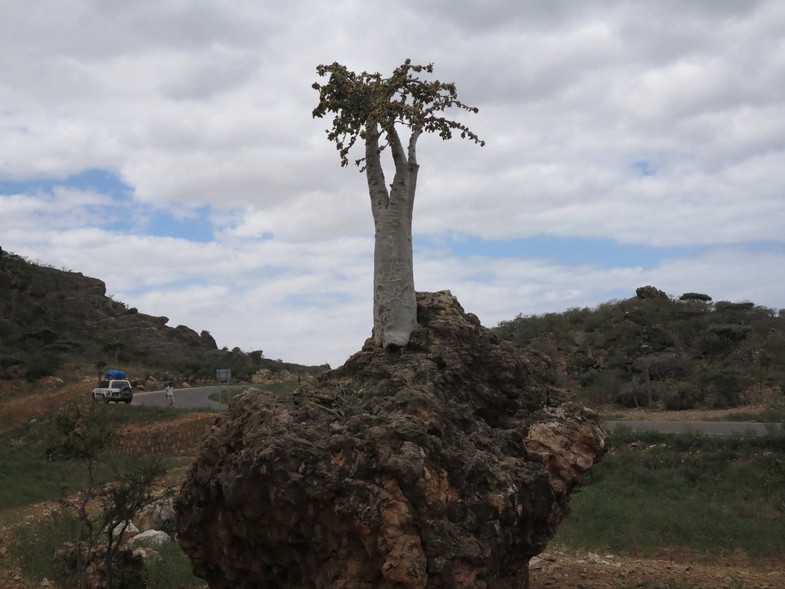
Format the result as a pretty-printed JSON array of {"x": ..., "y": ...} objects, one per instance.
[{"x": 648, "y": 124}]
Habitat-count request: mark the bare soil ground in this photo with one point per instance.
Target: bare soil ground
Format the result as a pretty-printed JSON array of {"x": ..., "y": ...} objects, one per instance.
[{"x": 562, "y": 569}]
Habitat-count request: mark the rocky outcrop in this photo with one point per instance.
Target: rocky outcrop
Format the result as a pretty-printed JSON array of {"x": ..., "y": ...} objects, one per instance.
[
  {"x": 43, "y": 309},
  {"x": 448, "y": 463},
  {"x": 650, "y": 292},
  {"x": 207, "y": 340}
]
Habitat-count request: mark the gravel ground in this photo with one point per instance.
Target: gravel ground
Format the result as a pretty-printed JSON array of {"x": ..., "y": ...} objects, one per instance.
[{"x": 562, "y": 569}]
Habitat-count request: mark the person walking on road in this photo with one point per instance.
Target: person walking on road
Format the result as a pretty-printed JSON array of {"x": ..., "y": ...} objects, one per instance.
[{"x": 170, "y": 394}]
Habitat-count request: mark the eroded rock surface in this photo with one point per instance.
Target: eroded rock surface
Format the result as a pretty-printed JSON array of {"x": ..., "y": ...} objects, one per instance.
[{"x": 444, "y": 464}]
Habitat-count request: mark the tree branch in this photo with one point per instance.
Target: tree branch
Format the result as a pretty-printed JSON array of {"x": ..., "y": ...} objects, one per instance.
[
  {"x": 374, "y": 173},
  {"x": 413, "y": 147}
]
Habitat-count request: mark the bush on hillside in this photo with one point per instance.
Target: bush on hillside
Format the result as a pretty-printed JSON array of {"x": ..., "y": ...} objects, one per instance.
[
  {"x": 686, "y": 396},
  {"x": 662, "y": 342},
  {"x": 40, "y": 365},
  {"x": 724, "y": 387},
  {"x": 637, "y": 393},
  {"x": 600, "y": 387},
  {"x": 695, "y": 296}
]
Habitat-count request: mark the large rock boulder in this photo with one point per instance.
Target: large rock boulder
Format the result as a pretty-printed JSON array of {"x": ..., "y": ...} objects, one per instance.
[{"x": 441, "y": 464}]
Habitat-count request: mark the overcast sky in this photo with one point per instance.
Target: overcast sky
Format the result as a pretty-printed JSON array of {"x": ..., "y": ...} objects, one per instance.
[{"x": 167, "y": 147}]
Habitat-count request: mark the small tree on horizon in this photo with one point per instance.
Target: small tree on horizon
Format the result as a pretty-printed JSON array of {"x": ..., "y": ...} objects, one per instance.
[{"x": 370, "y": 108}]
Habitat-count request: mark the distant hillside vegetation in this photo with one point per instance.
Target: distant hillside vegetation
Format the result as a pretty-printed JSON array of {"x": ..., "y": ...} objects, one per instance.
[
  {"x": 50, "y": 316},
  {"x": 653, "y": 350}
]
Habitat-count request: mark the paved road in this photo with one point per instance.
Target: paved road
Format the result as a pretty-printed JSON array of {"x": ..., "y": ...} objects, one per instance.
[
  {"x": 720, "y": 428},
  {"x": 189, "y": 398}
]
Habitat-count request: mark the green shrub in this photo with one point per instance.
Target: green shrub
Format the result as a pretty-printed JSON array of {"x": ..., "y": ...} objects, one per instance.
[
  {"x": 8, "y": 329},
  {"x": 600, "y": 386},
  {"x": 723, "y": 387},
  {"x": 637, "y": 393},
  {"x": 663, "y": 367},
  {"x": 730, "y": 333},
  {"x": 686, "y": 396},
  {"x": 35, "y": 543},
  {"x": 7, "y": 360},
  {"x": 172, "y": 569},
  {"x": 27, "y": 476},
  {"x": 40, "y": 365},
  {"x": 695, "y": 296}
]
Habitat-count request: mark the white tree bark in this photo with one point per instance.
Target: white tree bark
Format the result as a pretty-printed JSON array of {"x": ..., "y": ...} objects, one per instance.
[{"x": 394, "y": 301}]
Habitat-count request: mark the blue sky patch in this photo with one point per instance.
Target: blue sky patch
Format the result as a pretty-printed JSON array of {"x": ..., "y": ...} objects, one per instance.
[
  {"x": 195, "y": 226},
  {"x": 123, "y": 214},
  {"x": 95, "y": 179},
  {"x": 317, "y": 299},
  {"x": 765, "y": 246},
  {"x": 564, "y": 250},
  {"x": 645, "y": 168},
  {"x": 179, "y": 284}
]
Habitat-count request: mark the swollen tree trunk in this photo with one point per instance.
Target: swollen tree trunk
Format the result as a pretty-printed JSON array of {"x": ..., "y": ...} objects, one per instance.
[{"x": 394, "y": 302}]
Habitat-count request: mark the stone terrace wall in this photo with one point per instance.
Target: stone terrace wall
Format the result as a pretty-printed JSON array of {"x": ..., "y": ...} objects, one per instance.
[{"x": 182, "y": 437}]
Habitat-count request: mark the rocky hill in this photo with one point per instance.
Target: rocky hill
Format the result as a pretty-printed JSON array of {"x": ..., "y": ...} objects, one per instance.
[
  {"x": 651, "y": 350},
  {"x": 50, "y": 316},
  {"x": 656, "y": 350},
  {"x": 447, "y": 463}
]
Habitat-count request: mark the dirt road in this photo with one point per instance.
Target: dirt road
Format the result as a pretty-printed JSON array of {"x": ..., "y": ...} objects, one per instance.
[{"x": 560, "y": 569}]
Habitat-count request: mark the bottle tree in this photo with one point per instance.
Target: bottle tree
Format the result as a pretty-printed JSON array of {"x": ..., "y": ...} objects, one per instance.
[{"x": 372, "y": 108}]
